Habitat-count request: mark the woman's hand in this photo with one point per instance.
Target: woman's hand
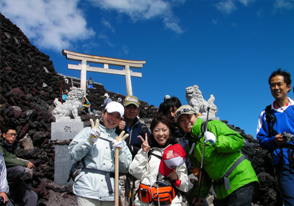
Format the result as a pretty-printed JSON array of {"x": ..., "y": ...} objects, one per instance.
[
  {"x": 94, "y": 132},
  {"x": 145, "y": 146},
  {"x": 173, "y": 176},
  {"x": 199, "y": 202}
]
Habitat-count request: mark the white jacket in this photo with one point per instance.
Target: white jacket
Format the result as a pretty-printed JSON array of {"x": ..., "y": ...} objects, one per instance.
[
  {"x": 147, "y": 171},
  {"x": 99, "y": 155}
]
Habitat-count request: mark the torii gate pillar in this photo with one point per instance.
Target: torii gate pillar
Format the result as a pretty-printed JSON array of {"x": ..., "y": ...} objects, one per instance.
[
  {"x": 128, "y": 81},
  {"x": 83, "y": 83},
  {"x": 83, "y": 67}
]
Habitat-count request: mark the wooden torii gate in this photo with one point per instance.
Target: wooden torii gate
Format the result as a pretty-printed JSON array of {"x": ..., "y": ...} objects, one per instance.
[{"x": 84, "y": 58}]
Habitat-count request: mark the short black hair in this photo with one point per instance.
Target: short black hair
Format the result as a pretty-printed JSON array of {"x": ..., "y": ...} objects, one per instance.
[
  {"x": 8, "y": 127},
  {"x": 167, "y": 104},
  {"x": 285, "y": 74}
]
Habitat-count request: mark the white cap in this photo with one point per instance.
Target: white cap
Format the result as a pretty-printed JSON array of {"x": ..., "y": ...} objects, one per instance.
[
  {"x": 106, "y": 95},
  {"x": 115, "y": 107}
]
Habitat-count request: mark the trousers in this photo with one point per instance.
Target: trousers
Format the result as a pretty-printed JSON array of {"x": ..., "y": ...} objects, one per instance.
[
  {"x": 286, "y": 183},
  {"x": 18, "y": 186},
  {"x": 240, "y": 197}
]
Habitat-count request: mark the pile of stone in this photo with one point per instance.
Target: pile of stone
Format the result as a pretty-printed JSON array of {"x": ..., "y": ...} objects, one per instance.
[{"x": 29, "y": 85}]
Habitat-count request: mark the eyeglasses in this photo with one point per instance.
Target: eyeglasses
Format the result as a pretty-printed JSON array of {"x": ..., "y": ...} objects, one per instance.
[
  {"x": 11, "y": 134},
  {"x": 178, "y": 113}
]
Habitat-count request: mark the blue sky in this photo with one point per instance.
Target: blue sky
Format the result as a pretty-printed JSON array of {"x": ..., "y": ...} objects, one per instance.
[{"x": 228, "y": 48}]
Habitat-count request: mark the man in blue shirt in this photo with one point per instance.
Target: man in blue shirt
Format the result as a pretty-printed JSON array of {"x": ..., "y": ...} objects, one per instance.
[{"x": 273, "y": 121}]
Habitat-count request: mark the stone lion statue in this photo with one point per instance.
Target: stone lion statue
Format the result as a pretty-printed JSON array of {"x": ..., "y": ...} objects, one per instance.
[
  {"x": 196, "y": 100},
  {"x": 70, "y": 108}
]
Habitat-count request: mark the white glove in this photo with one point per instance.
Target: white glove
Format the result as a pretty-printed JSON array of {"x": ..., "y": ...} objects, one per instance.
[
  {"x": 117, "y": 144},
  {"x": 95, "y": 131},
  {"x": 209, "y": 137}
]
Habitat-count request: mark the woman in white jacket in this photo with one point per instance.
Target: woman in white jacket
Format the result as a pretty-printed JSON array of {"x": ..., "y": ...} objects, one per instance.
[
  {"x": 96, "y": 146},
  {"x": 146, "y": 167}
]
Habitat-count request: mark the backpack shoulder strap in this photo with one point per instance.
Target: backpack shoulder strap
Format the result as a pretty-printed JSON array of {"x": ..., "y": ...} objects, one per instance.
[
  {"x": 270, "y": 119},
  {"x": 151, "y": 153},
  {"x": 203, "y": 126}
]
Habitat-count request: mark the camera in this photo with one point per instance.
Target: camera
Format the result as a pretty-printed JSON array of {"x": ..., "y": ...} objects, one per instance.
[{"x": 288, "y": 137}]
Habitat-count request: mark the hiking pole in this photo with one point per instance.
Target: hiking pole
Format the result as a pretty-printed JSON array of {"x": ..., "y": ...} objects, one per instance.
[
  {"x": 202, "y": 160},
  {"x": 116, "y": 163}
]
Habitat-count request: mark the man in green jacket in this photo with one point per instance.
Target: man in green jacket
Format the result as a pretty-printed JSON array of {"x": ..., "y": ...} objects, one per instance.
[
  {"x": 224, "y": 167},
  {"x": 15, "y": 167}
]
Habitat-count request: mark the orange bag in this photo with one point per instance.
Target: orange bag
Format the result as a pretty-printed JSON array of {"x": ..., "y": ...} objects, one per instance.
[
  {"x": 163, "y": 194},
  {"x": 144, "y": 193}
]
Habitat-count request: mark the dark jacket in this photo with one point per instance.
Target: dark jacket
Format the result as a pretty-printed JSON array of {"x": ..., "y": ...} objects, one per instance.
[
  {"x": 8, "y": 152},
  {"x": 136, "y": 129}
]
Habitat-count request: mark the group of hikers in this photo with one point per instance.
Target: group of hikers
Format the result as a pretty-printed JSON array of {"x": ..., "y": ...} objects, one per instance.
[{"x": 182, "y": 157}]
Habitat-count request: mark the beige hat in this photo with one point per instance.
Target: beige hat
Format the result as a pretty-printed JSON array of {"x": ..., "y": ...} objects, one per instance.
[
  {"x": 131, "y": 100},
  {"x": 184, "y": 109}
]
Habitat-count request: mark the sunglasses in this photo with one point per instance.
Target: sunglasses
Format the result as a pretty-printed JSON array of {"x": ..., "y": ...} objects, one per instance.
[
  {"x": 178, "y": 113},
  {"x": 11, "y": 134}
]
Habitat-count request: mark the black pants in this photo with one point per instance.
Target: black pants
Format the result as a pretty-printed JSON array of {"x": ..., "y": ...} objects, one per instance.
[
  {"x": 18, "y": 186},
  {"x": 240, "y": 197}
]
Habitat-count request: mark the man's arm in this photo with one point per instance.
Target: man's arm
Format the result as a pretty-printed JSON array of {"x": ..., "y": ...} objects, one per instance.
[
  {"x": 11, "y": 159},
  {"x": 262, "y": 135},
  {"x": 4, "y": 189}
]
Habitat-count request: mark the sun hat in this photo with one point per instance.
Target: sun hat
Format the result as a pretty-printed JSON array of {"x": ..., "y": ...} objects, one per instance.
[
  {"x": 173, "y": 156},
  {"x": 184, "y": 109},
  {"x": 166, "y": 97},
  {"x": 131, "y": 100},
  {"x": 115, "y": 107}
]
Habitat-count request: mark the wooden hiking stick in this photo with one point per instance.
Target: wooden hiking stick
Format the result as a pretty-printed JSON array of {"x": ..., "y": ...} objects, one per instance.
[
  {"x": 116, "y": 166},
  {"x": 203, "y": 152}
]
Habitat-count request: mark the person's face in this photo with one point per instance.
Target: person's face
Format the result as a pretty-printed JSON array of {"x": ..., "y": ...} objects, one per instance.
[
  {"x": 187, "y": 121},
  {"x": 131, "y": 111},
  {"x": 10, "y": 136},
  {"x": 279, "y": 88},
  {"x": 171, "y": 113},
  {"x": 161, "y": 133},
  {"x": 111, "y": 120}
]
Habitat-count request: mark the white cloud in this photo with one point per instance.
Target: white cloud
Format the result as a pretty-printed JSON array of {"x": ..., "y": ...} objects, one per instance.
[
  {"x": 246, "y": 2},
  {"x": 284, "y": 4},
  {"x": 234, "y": 25},
  {"x": 259, "y": 13},
  {"x": 144, "y": 10},
  {"x": 107, "y": 24},
  {"x": 226, "y": 7},
  {"x": 125, "y": 50},
  {"x": 215, "y": 21},
  {"x": 53, "y": 24},
  {"x": 105, "y": 39}
]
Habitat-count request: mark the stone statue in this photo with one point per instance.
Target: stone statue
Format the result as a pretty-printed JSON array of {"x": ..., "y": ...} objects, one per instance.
[
  {"x": 196, "y": 100},
  {"x": 70, "y": 108}
]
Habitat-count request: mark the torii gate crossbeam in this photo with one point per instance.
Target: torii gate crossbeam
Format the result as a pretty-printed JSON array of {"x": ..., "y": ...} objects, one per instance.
[{"x": 84, "y": 58}]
